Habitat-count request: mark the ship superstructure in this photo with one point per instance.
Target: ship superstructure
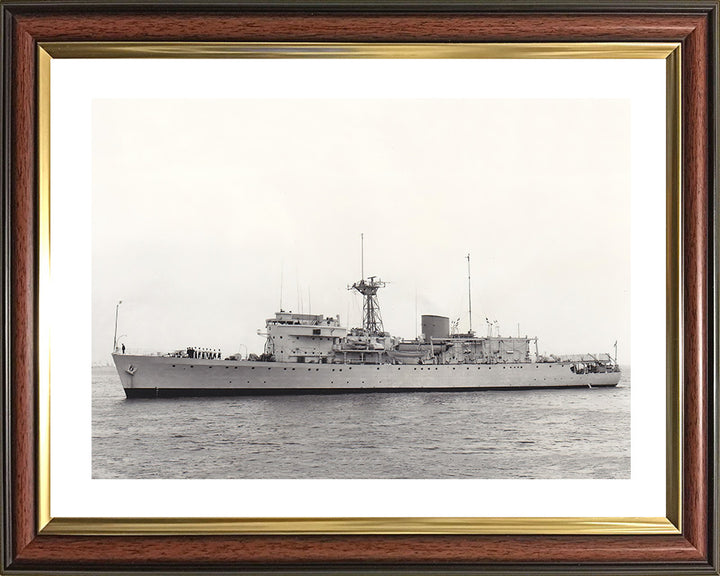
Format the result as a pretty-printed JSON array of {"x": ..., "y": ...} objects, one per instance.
[{"x": 301, "y": 338}]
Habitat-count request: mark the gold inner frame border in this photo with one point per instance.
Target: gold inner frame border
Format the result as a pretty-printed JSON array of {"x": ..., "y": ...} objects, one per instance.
[{"x": 671, "y": 524}]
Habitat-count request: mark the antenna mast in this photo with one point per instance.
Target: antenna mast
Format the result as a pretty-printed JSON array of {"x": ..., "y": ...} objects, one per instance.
[
  {"x": 362, "y": 255},
  {"x": 115, "y": 334},
  {"x": 372, "y": 322},
  {"x": 281, "y": 285},
  {"x": 469, "y": 296}
]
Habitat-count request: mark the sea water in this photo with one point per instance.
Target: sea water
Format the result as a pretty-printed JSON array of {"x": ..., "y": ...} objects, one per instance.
[{"x": 555, "y": 433}]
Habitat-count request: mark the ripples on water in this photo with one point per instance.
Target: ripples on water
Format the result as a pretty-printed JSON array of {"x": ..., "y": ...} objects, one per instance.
[{"x": 575, "y": 433}]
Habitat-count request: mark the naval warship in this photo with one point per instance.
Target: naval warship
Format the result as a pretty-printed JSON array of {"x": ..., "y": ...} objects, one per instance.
[{"x": 315, "y": 354}]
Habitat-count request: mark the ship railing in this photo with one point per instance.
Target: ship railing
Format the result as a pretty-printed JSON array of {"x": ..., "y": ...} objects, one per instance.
[
  {"x": 138, "y": 352},
  {"x": 585, "y": 358}
]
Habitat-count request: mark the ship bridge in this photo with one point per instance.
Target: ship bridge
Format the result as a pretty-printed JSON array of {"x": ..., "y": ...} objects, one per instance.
[
  {"x": 302, "y": 337},
  {"x": 306, "y": 319}
]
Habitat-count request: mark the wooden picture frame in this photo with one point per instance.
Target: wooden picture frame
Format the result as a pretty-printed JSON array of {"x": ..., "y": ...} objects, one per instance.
[{"x": 29, "y": 546}]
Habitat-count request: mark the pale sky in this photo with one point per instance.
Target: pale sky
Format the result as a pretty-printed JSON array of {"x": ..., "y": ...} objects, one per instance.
[{"x": 200, "y": 207}]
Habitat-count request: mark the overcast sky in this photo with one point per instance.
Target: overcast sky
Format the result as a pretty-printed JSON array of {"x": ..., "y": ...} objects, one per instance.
[{"x": 200, "y": 207}]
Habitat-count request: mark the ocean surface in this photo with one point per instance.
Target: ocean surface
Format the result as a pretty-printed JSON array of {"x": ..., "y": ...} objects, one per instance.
[{"x": 574, "y": 433}]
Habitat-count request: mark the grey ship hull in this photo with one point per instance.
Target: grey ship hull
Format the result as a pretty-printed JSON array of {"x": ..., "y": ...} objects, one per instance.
[{"x": 163, "y": 376}]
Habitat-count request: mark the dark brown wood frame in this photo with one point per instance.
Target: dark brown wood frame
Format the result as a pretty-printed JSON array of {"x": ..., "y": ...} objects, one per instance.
[{"x": 693, "y": 23}]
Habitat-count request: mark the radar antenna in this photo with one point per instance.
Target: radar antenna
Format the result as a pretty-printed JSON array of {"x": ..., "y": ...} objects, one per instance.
[
  {"x": 372, "y": 321},
  {"x": 454, "y": 326}
]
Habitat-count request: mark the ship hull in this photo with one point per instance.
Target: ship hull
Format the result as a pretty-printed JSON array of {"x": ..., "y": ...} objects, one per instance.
[{"x": 162, "y": 376}]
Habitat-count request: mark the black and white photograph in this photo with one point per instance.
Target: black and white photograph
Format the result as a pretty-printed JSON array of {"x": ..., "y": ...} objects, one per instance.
[{"x": 361, "y": 288}]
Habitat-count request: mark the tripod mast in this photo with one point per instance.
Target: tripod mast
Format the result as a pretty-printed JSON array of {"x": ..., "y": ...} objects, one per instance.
[{"x": 372, "y": 321}]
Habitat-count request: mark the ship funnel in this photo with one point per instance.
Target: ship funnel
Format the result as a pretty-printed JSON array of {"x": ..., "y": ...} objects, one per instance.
[{"x": 435, "y": 326}]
